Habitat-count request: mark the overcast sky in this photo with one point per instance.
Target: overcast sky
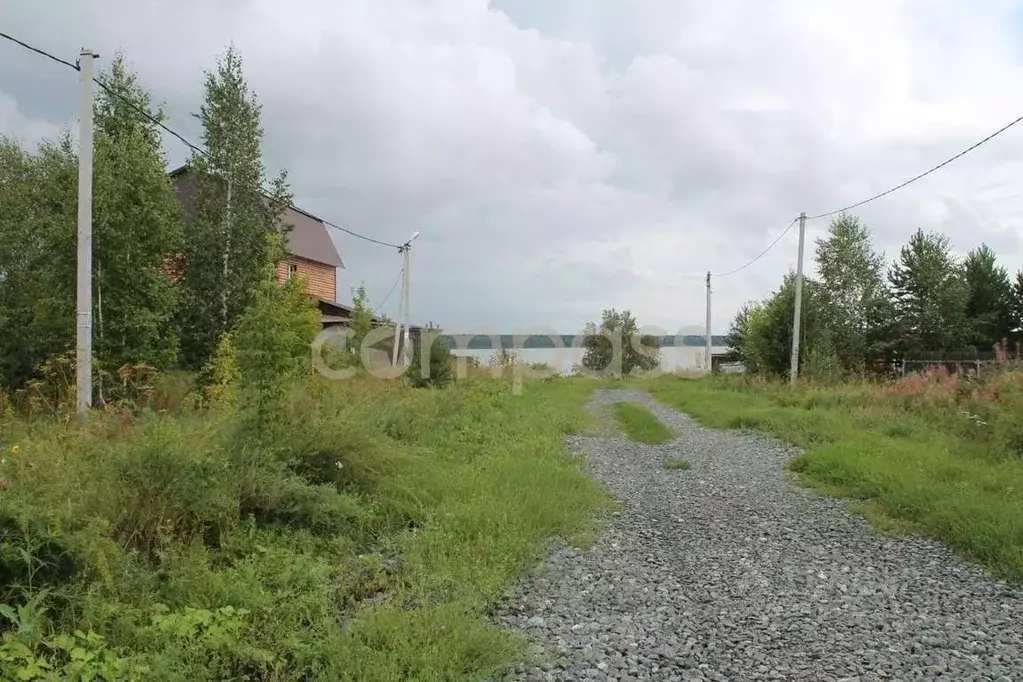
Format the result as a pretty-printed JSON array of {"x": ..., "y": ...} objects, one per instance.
[{"x": 563, "y": 156}]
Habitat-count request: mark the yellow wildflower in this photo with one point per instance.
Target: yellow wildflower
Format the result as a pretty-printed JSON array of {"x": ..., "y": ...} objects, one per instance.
[{"x": 15, "y": 449}]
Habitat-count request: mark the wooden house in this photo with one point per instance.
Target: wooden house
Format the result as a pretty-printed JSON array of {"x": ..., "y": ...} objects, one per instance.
[
  {"x": 311, "y": 251},
  {"x": 311, "y": 254}
]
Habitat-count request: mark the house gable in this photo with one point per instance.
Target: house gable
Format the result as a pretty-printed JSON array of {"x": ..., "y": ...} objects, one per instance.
[
  {"x": 308, "y": 238},
  {"x": 321, "y": 279}
]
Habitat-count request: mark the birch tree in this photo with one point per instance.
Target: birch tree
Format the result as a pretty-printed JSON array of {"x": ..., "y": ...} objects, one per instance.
[
  {"x": 137, "y": 224},
  {"x": 852, "y": 285},
  {"x": 225, "y": 253}
]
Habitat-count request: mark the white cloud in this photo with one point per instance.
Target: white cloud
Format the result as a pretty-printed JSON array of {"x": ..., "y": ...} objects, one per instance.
[{"x": 563, "y": 157}]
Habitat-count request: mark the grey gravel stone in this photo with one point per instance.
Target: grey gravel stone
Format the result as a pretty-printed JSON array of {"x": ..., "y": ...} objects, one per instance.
[{"x": 731, "y": 571}]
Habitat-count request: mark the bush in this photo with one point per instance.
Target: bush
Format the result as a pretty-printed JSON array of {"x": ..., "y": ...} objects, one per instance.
[
  {"x": 172, "y": 488},
  {"x": 435, "y": 373}
]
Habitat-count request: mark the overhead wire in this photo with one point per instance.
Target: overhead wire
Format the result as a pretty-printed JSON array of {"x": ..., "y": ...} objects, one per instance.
[
  {"x": 875, "y": 197},
  {"x": 42, "y": 53},
  {"x": 760, "y": 255},
  {"x": 181, "y": 138},
  {"x": 389, "y": 292},
  {"x": 921, "y": 175}
]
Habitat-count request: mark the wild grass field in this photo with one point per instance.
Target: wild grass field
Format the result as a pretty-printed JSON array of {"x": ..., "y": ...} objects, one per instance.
[
  {"x": 934, "y": 453},
  {"x": 360, "y": 533}
]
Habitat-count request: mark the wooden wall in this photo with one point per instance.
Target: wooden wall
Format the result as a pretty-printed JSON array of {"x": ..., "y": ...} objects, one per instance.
[{"x": 322, "y": 279}]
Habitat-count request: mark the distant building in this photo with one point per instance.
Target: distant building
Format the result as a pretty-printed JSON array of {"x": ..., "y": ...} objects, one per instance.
[
  {"x": 311, "y": 254},
  {"x": 311, "y": 251}
]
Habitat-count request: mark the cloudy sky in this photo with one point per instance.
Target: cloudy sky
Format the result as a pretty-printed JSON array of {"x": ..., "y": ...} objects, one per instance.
[{"x": 563, "y": 156}]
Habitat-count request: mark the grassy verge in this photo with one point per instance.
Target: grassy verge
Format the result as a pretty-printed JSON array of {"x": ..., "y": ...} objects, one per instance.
[
  {"x": 364, "y": 535},
  {"x": 937, "y": 458},
  {"x": 677, "y": 464},
  {"x": 641, "y": 425}
]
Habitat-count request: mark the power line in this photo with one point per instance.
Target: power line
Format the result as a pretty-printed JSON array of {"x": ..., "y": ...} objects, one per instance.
[
  {"x": 152, "y": 119},
  {"x": 361, "y": 236},
  {"x": 181, "y": 138},
  {"x": 922, "y": 175},
  {"x": 390, "y": 291},
  {"x": 761, "y": 254},
  {"x": 38, "y": 51}
]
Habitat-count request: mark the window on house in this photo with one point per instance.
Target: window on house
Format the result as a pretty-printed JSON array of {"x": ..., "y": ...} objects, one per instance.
[{"x": 292, "y": 270}]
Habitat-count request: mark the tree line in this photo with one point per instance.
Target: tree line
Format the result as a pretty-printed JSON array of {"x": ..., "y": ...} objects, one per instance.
[
  {"x": 166, "y": 289},
  {"x": 862, "y": 314}
]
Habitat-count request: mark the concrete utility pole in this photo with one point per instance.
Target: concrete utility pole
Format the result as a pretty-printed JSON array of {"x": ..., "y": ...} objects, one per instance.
[
  {"x": 83, "y": 345},
  {"x": 798, "y": 307},
  {"x": 398, "y": 318},
  {"x": 406, "y": 352},
  {"x": 707, "y": 353},
  {"x": 403, "y": 308}
]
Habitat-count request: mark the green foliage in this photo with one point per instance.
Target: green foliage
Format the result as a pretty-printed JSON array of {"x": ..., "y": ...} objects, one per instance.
[
  {"x": 854, "y": 321},
  {"x": 1016, "y": 307},
  {"x": 766, "y": 331},
  {"x": 37, "y": 256},
  {"x": 677, "y": 464},
  {"x": 184, "y": 552},
  {"x": 641, "y": 425},
  {"x": 27, "y": 654},
  {"x": 362, "y": 318},
  {"x": 930, "y": 294},
  {"x": 738, "y": 330},
  {"x": 273, "y": 339},
  {"x": 504, "y": 358},
  {"x": 616, "y": 348},
  {"x": 989, "y": 301},
  {"x": 436, "y": 371},
  {"x": 207, "y": 642},
  {"x": 852, "y": 290},
  {"x": 137, "y": 223},
  {"x": 218, "y": 380},
  {"x": 225, "y": 251}
]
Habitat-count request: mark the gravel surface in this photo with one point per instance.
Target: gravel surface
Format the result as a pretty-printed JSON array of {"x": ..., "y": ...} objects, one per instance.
[{"x": 730, "y": 571}]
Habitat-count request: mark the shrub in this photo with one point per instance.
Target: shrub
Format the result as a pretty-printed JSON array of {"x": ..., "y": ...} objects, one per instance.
[
  {"x": 27, "y": 654},
  {"x": 272, "y": 341},
  {"x": 436, "y": 372},
  {"x": 218, "y": 378},
  {"x": 177, "y": 487},
  {"x": 33, "y": 555}
]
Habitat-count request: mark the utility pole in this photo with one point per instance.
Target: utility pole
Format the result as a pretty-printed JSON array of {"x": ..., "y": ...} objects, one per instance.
[
  {"x": 83, "y": 332},
  {"x": 406, "y": 352},
  {"x": 403, "y": 307},
  {"x": 798, "y": 307},
  {"x": 707, "y": 353},
  {"x": 400, "y": 315}
]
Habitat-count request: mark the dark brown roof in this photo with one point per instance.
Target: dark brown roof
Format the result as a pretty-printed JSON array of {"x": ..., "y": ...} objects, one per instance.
[{"x": 308, "y": 238}]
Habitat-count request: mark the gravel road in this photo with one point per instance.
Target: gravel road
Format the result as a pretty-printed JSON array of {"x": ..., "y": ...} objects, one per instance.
[{"x": 730, "y": 571}]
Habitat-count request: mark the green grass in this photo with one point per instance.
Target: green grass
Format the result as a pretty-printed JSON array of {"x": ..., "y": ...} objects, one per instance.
[
  {"x": 913, "y": 464},
  {"x": 677, "y": 464},
  {"x": 365, "y": 535},
  {"x": 641, "y": 425}
]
